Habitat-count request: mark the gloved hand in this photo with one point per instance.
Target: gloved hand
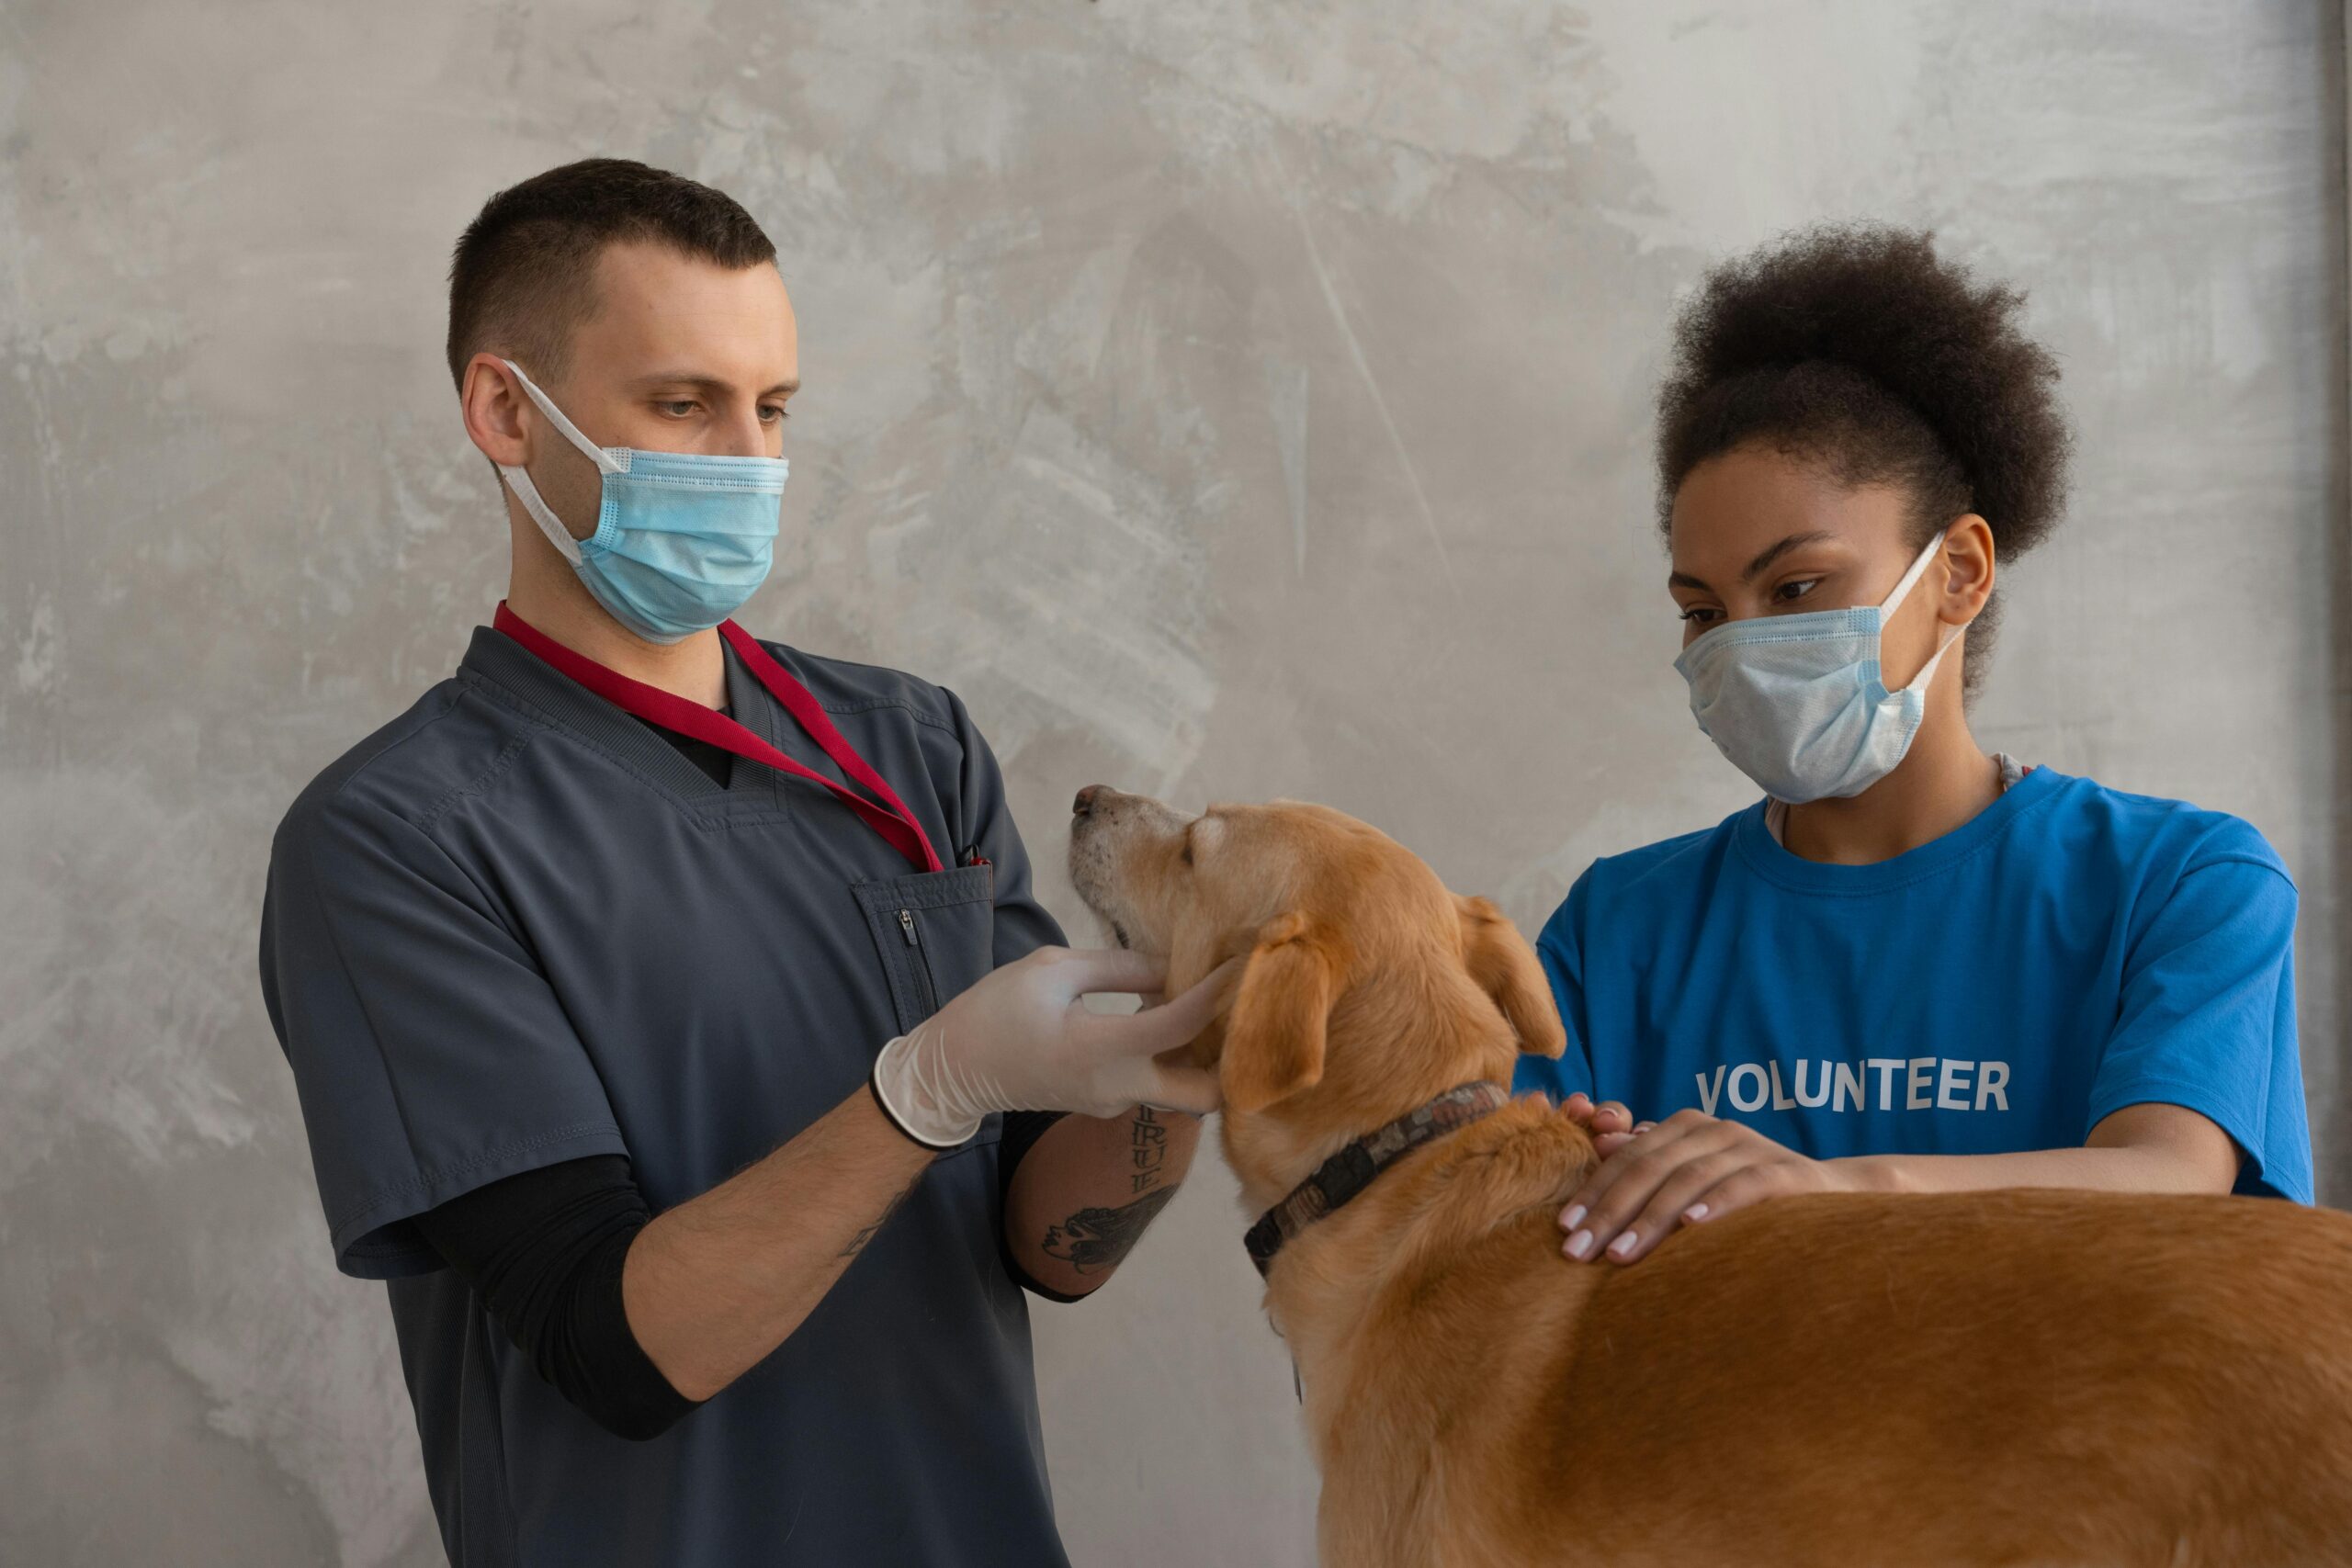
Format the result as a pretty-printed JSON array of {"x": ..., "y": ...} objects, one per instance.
[{"x": 1019, "y": 1040}]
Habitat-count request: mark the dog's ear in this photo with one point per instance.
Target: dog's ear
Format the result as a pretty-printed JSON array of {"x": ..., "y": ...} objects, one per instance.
[
  {"x": 1505, "y": 968},
  {"x": 1273, "y": 1035}
]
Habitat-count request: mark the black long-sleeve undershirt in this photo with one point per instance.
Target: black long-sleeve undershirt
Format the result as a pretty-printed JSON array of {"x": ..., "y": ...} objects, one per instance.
[{"x": 544, "y": 1250}]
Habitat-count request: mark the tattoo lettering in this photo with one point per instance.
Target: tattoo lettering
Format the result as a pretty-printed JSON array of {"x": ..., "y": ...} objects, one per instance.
[
  {"x": 857, "y": 1243},
  {"x": 1148, "y": 1150},
  {"x": 1100, "y": 1238}
]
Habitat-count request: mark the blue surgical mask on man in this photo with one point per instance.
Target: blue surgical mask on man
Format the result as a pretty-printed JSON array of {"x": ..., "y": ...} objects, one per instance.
[
  {"x": 1796, "y": 702},
  {"x": 681, "y": 538}
]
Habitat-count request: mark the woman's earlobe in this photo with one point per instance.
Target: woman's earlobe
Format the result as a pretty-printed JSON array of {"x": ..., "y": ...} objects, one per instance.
[{"x": 1972, "y": 556}]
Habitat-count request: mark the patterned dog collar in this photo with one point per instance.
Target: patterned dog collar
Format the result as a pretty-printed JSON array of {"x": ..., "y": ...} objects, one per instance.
[{"x": 1349, "y": 1172}]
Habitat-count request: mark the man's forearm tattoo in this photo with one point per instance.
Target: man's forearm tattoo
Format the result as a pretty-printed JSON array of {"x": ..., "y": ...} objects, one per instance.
[
  {"x": 857, "y": 1243},
  {"x": 1147, "y": 1149},
  {"x": 1099, "y": 1237}
]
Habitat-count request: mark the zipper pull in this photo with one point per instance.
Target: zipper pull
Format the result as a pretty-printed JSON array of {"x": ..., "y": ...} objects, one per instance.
[{"x": 906, "y": 924}]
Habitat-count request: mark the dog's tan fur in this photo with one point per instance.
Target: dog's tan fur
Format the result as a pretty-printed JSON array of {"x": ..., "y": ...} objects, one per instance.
[{"x": 2019, "y": 1377}]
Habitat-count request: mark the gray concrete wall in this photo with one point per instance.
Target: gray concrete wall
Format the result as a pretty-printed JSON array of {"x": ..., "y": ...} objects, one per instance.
[{"x": 1228, "y": 399}]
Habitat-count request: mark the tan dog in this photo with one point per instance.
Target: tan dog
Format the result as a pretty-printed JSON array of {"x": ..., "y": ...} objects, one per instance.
[{"x": 2020, "y": 1377}]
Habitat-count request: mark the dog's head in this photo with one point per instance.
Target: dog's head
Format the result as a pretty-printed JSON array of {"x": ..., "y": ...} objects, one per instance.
[{"x": 1365, "y": 989}]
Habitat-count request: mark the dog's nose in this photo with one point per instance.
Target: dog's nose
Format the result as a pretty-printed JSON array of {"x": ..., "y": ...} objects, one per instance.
[{"x": 1084, "y": 805}]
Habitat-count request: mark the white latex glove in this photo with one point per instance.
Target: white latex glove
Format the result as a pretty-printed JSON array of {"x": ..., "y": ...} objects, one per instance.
[{"x": 1020, "y": 1040}]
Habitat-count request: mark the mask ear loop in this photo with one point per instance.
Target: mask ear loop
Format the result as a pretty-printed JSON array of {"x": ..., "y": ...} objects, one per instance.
[
  {"x": 1887, "y": 607},
  {"x": 519, "y": 479},
  {"x": 1895, "y": 601}
]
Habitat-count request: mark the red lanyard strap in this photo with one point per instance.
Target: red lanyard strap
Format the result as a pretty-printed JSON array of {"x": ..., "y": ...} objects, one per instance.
[{"x": 891, "y": 818}]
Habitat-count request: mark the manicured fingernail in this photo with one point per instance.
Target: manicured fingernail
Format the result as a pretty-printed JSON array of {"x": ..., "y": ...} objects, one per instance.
[
  {"x": 1695, "y": 1212},
  {"x": 1624, "y": 1246},
  {"x": 1579, "y": 1244},
  {"x": 1572, "y": 1218}
]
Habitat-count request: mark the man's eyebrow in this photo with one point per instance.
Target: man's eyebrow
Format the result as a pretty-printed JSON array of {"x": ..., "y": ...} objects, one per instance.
[{"x": 708, "y": 383}]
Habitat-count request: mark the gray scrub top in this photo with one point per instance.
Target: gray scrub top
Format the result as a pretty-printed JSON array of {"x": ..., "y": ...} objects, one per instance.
[{"x": 515, "y": 926}]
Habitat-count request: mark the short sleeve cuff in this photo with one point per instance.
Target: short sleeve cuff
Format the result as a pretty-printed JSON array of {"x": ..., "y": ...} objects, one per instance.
[
  {"x": 376, "y": 1240},
  {"x": 2256, "y": 1177}
]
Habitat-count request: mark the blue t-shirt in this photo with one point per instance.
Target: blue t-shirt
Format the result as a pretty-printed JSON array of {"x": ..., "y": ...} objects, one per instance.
[{"x": 2070, "y": 951}]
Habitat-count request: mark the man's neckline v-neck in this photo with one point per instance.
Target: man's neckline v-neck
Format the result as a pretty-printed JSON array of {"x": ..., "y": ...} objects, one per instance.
[
  {"x": 714, "y": 760},
  {"x": 498, "y": 660}
]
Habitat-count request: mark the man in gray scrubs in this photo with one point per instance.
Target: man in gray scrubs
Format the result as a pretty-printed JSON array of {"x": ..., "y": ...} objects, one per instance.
[{"x": 675, "y": 1028}]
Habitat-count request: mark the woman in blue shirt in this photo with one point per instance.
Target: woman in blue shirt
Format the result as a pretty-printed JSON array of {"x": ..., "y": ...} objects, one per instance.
[{"x": 1914, "y": 966}]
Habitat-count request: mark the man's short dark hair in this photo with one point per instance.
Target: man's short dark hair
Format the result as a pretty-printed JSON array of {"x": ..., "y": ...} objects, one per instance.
[{"x": 523, "y": 276}]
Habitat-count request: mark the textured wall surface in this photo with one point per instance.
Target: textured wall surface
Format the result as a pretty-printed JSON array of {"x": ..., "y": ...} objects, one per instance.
[{"x": 1228, "y": 399}]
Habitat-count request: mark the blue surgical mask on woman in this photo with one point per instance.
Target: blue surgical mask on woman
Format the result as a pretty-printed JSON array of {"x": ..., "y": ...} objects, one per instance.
[
  {"x": 1796, "y": 702},
  {"x": 681, "y": 538}
]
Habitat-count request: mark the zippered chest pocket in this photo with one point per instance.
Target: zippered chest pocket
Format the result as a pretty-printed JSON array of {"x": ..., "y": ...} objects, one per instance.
[{"x": 934, "y": 932}]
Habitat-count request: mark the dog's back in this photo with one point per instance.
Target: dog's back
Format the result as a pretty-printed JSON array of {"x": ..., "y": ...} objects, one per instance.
[{"x": 2006, "y": 1377}]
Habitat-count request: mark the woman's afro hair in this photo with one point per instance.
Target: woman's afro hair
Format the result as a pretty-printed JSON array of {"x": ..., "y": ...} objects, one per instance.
[{"x": 1857, "y": 346}]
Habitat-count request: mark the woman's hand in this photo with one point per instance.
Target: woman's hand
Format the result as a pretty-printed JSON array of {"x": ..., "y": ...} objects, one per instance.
[
  {"x": 1609, "y": 1121},
  {"x": 1689, "y": 1169}
]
